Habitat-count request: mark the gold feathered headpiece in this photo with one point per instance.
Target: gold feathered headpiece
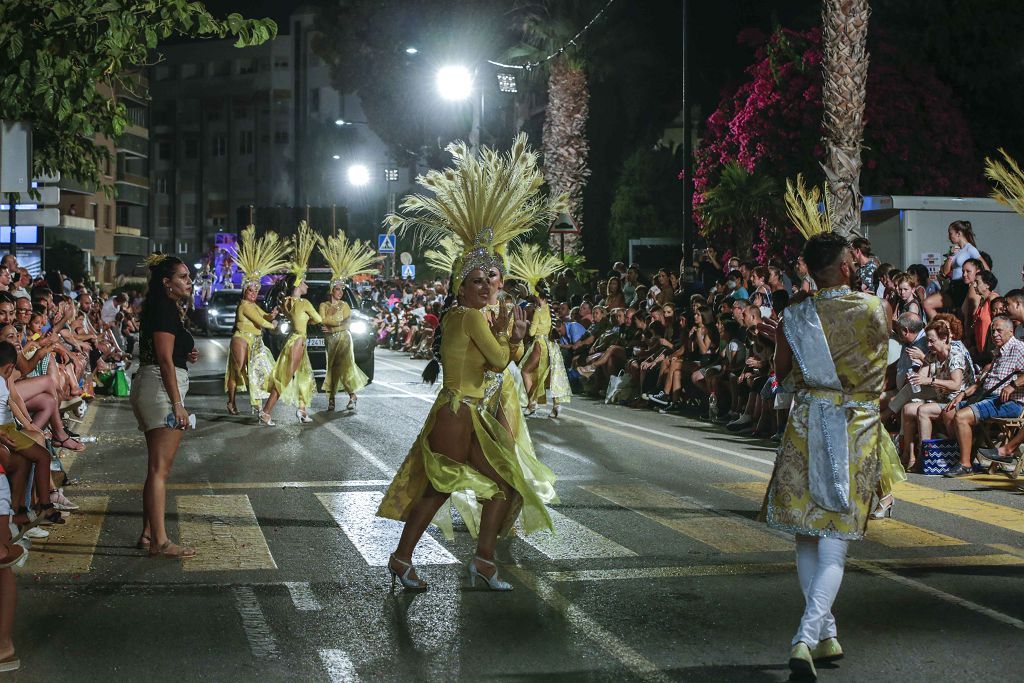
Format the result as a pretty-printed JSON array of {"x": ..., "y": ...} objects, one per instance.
[
  {"x": 154, "y": 259},
  {"x": 531, "y": 265},
  {"x": 444, "y": 254},
  {"x": 348, "y": 258},
  {"x": 1008, "y": 179},
  {"x": 802, "y": 208},
  {"x": 259, "y": 256},
  {"x": 304, "y": 241},
  {"x": 484, "y": 201}
]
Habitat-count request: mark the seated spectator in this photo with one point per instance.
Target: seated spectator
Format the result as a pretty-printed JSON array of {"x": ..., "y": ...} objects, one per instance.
[{"x": 960, "y": 418}]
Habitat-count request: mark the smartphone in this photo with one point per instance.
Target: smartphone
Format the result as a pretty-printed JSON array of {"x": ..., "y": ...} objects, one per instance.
[
  {"x": 34, "y": 337},
  {"x": 172, "y": 421}
]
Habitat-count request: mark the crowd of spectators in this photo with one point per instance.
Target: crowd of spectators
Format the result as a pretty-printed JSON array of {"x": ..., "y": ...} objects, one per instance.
[{"x": 700, "y": 339}]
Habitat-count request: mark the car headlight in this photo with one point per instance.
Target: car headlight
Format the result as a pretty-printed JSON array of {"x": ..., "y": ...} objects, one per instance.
[
  {"x": 286, "y": 327},
  {"x": 358, "y": 327},
  {"x": 212, "y": 312}
]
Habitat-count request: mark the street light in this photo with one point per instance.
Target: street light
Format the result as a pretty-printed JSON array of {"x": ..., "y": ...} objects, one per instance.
[
  {"x": 335, "y": 156},
  {"x": 454, "y": 82},
  {"x": 358, "y": 175},
  {"x": 411, "y": 50}
]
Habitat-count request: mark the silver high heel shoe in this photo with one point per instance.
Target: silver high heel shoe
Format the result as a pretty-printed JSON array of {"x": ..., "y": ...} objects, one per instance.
[
  {"x": 493, "y": 582},
  {"x": 266, "y": 420},
  {"x": 351, "y": 403},
  {"x": 882, "y": 510},
  {"x": 303, "y": 417},
  {"x": 408, "y": 584}
]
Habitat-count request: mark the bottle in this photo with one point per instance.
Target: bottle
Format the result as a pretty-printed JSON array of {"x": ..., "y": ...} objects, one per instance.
[
  {"x": 915, "y": 388},
  {"x": 713, "y": 407}
]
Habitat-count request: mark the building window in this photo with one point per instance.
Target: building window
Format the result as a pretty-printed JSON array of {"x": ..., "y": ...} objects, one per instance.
[
  {"x": 241, "y": 111},
  {"x": 251, "y": 170},
  {"x": 314, "y": 100},
  {"x": 220, "y": 145},
  {"x": 164, "y": 150},
  {"x": 220, "y": 68},
  {"x": 280, "y": 62},
  {"x": 183, "y": 246},
  {"x": 163, "y": 216},
  {"x": 188, "y": 214},
  {"x": 191, "y": 148},
  {"x": 245, "y": 142},
  {"x": 246, "y": 66},
  {"x": 110, "y": 217},
  {"x": 161, "y": 185},
  {"x": 163, "y": 72},
  {"x": 191, "y": 70},
  {"x": 213, "y": 112},
  {"x": 281, "y": 137},
  {"x": 218, "y": 223}
]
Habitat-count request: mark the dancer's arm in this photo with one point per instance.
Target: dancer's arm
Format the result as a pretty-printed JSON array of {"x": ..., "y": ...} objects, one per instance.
[{"x": 495, "y": 350}]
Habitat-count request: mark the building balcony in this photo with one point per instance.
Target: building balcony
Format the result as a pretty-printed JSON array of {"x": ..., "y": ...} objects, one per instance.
[
  {"x": 72, "y": 185},
  {"x": 134, "y": 141},
  {"x": 125, "y": 230},
  {"x": 133, "y": 179},
  {"x": 130, "y": 245},
  {"x": 80, "y": 232},
  {"x": 130, "y": 193},
  {"x": 77, "y": 223}
]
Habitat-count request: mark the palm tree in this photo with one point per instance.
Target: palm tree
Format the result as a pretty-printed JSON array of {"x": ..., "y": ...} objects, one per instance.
[
  {"x": 845, "y": 67},
  {"x": 739, "y": 202},
  {"x": 548, "y": 26}
]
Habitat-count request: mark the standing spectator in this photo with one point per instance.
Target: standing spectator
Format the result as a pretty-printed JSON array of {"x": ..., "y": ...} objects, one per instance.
[
  {"x": 158, "y": 392},
  {"x": 985, "y": 284},
  {"x": 630, "y": 283},
  {"x": 961, "y": 236},
  {"x": 865, "y": 261}
]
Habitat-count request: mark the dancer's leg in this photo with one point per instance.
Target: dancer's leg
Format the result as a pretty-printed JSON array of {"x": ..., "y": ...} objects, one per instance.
[{"x": 817, "y": 622}]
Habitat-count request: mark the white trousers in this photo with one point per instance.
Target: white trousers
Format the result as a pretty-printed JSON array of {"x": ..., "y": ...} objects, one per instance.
[{"x": 819, "y": 565}]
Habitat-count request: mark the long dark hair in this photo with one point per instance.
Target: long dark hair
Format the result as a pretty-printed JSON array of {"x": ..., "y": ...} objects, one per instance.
[
  {"x": 156, "y": 292},
  {"x": 433, "y": 369}
]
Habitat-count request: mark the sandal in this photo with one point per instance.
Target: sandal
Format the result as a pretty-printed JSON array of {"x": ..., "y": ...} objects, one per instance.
[
  {"x": 330, "y": 404},
  {"x": 232, "y": 408},
  {"x": 74, "y": 445},
  {"x": 60, "y": 501},
  {"x": 351, "y": 403},
  {"x": 10, "y": 663},
  {"x": 47, "y": 514},
  {"x": 14, "y": 555},
  {"x": 143, "y": 543},
  {"x": 173, "y": 550}
]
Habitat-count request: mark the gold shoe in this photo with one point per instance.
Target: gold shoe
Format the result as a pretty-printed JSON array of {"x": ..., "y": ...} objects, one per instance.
[
  {"x": 828, "y": 650},
  {"x": 801, "y": 664}
]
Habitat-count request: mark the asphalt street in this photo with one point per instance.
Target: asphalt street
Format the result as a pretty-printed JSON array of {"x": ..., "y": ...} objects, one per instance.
[{"x": 659, "y": 570}]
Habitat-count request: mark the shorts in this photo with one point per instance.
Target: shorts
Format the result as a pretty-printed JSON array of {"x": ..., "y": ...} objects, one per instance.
[
  {"x": 149, "y": 398},
  {"x": 992, "y": 408},
  {"x": 5, "y": 497}
]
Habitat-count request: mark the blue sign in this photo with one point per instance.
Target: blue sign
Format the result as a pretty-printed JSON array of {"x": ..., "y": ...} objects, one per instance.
[
  {"x": 409, "y": 272},
  {"x": 386, "y": 243}
]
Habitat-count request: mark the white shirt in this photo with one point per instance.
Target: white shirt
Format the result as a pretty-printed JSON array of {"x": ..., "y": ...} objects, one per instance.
[
  {"x": 968, "y": 251},
  {"x": 108, "y": 313},
  {"x": 6, "y": 417}
]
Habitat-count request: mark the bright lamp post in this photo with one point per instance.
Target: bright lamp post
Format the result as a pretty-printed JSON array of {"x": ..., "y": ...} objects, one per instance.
[
  {"x": 455, "y": 83},
  {"x": 358, "y": 175}
]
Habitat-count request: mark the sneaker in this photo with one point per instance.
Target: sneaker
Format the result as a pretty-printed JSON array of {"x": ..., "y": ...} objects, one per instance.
[
  {"x": 661, "y": 398},
  {"x": 672, "y": 407},
  {"x": 740, "y": 423},
  {"x": 959, "y": 471},
  {"x": 37, "y": 532}
]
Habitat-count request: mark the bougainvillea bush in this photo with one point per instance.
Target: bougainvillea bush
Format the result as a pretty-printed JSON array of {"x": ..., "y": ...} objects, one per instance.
[{"x": 916, "y": 139}]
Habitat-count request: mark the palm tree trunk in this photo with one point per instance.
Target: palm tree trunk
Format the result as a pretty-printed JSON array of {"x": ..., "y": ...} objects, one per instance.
[
  {"x": 565, "y": 140},
  {"x": 845, "y": 66}
]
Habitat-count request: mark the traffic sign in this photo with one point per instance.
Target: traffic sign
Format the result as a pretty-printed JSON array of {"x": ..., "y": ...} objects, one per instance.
[
  {"x": 47, "y": 218},
  {"x": 564, "y": 224},
  {"x": 386, "y": 243},
  {"x": 408, "y": 272},
  {"x": 405, "y": 258},
  {"x": 49, "y": 196}
]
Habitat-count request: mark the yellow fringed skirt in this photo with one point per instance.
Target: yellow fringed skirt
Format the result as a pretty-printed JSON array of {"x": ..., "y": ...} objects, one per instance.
[
  {"x": 295, "y": 389},
  {"x": 512, "y": 458},
  {"x": 254, "y": 376},
  {"x": 342, "y": 372},
  {"x": 538, "y": 392}
]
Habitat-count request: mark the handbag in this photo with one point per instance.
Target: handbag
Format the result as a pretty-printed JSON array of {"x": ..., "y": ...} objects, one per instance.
[
  {"x": 979, "y": 396},
  {"x": 620, "y": 388}
]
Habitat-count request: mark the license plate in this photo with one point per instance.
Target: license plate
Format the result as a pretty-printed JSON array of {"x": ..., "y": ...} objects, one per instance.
[{"x": 314, "y": 341}]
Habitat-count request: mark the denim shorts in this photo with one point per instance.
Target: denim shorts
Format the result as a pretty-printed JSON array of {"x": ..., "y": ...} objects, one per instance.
[{"x": 992, "y": 408}]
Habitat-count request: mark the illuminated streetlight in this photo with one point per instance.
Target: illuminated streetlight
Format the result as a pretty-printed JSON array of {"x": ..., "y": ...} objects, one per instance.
[
  {"x": 411, "y": 50},
  {"x": 336, "y": 156},
  {"x": 358, "y": 175},
  {"x": 454, "y": 82}
]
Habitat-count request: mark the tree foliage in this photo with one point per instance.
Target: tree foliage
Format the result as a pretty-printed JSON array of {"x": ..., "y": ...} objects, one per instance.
[
  {"x": 58, "y": 55},
  {"x": 648, "y": 199}
]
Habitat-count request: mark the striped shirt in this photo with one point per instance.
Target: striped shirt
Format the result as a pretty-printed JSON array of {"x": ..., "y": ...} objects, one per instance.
[{"x": 1009, "y": 359}]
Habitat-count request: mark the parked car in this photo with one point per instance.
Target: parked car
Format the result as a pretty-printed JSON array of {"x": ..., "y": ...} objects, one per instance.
[
  {"x": 360, "y": 327},
  {"x": 218, "y": 316}
]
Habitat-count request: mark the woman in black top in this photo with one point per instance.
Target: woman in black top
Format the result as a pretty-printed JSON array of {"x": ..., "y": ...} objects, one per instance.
[{"x": 159, "y": 388}]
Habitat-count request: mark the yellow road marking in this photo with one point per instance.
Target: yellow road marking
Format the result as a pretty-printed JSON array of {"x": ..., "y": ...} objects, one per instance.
[
  {"x": 70, "y": 546},
  {"x": 225, "y": 533},
  {"x": 702, "y": 570},
  {"x": 889, "y": 532},
  {"x": 962, "y": 506},
  {"x": 725, "y": 534}
]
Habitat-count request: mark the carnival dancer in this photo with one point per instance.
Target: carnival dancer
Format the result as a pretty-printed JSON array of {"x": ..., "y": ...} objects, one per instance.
[
  {"x": 543, "y": 370},
  {"x": 347, "y": 259},
  {"x": 834, "y": 345},
  {"x": 486, "y": 202},
  {"x": 292, "y": 378},
  {"x": 249, "y": 361}
]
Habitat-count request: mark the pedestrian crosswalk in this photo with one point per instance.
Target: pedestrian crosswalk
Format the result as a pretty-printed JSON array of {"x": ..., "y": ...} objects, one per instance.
[{"x": 609, "y": 523}]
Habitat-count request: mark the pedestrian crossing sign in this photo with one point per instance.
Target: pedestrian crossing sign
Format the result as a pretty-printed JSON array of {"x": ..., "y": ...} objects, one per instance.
[
  {"x": 386, "y": 243},
  {"x": 409, "y": 272}
]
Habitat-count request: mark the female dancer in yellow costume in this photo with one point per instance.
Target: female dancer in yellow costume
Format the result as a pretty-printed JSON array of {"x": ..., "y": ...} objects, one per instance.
[
  {"x": 462, "y": 447},
  {"x": 543, "y": 369},
  {"x": 347, "y": 259},
  {"x": 249, "y": 361},
  {"x": 292, "y": 378}
]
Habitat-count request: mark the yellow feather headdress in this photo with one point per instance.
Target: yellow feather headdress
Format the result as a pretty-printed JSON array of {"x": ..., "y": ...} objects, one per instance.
[
  {"x": 531, "y": 265},
  {"x": 802, "y": 208},
  {"x": 444, "y": 255},
  {"x": 484, "y": 201},
  {"x": 348, "y": 258},
  {"x": 1008, "y": 179},
  {"x": 304, "y": 241},
  {"x": 259, "y": 256},
  {"x": 154, "y": 259}
]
